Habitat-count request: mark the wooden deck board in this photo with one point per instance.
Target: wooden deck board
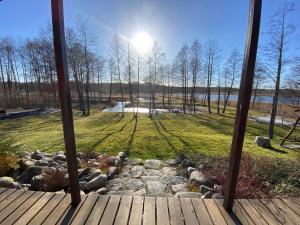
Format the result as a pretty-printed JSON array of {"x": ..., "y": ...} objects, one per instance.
[
  {"x": 15, "y": 215},
  {"x": 14, "y": 205},
  {"x": 33, "y": 208},
  {"x": 124, "y": 211}
]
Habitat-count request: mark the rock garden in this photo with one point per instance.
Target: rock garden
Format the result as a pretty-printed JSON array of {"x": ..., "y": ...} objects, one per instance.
[{"x": 112, "y": 175}]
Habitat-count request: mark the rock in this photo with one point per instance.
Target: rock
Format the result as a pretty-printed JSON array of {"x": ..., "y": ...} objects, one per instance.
[
  {"x": 112, "y": 172},
  {"x": 137, "y": 171},
  {"x": 78, "y": 162},
  {"x": 180, "y": 157},
  {"x": 95, "y": 164},
  {"x": 82, "y": 185},
  {"x": 37, "y": 155},
  {"x": 15, "y": 173},
  {"x": 171, "y": 180},
  {"x": 207, "y": 194},
  {"x": 152, "y": 172},
  {"x": 183, "y": 173},
  {"x": 24, "y": 164},
  {"x": 94, "y": 173},
  {"x": 146, "y": 179},
  {"x": 17, "y": 185},
  {"x": 101, "y": 191},
  {"x": 122, "y": 156},
  {"x": 153, "y": 164},
  {"x": 116, "y": 184},
  {"x": 187, "y": 163},
  {"x": 34, "y": 171},
  {"x": 84, "y": 172},
  {"x": 141, "y": 192},
  {"x": 179, "y": 188},
  {"x": 96, "y": 183},
  {"x": 38, "y": 183},
  {"x": 59, "y": 158},
  {"x": 41, "y": 163},
  {"x": 198, "y": 178},
  {"x": 217, "y": 196},
  {"x": 6, "y": 182},
  {"x": 263, "y": 142},
  {"x": 169, "y": 171},
  {"x": 204, "y": 189},
  {"x": 188, "y": 195},
  {"x": 190, "y": 170},
  {"x": 156, "y": 187},
  {"x": 171, "y": 162},
  {"x": 134, "y": 184},
  {"x": 53, "y": 164}
]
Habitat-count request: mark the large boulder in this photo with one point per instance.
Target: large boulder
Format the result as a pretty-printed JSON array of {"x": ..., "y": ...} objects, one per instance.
[
  {"x": 137, "y": 171},
  {"x": 38, "y": 183},
  {"x": 59, "y": 158},
  {"x": 153, "y": 164},
  {"x": 37, "y": 155},
  {"x": 188, "y": 195},
  {"x": 156, "y": 187},
  {"x": 179, "y": 188},
  {"x": 198, "y": 178},
  {"x": 134, "y": 184},
  {"x": 263, "y": 142},
  {"x": 25, "y": 163},
  {"x": 96, "y": 183},
  {"x": 204, "y": 189},
  {"x": 34, "y": 171},
  {"x": 6, "y": 182},
  {"x": 169, "y": 171}
]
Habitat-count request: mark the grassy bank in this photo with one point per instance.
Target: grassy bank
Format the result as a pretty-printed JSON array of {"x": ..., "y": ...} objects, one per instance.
[{"x": 160, "y": 137}]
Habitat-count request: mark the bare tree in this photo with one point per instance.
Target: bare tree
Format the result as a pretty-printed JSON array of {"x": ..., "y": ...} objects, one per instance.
[
  {"x": 231, "y": 73},
  {"x": 279, "y": 32},
  {"x": 212, "y": 52},
  {"x": 195, "y": 67}
]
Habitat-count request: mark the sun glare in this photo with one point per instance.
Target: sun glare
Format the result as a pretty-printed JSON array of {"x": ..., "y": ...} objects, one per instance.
[{"x": 143, "y": 42}]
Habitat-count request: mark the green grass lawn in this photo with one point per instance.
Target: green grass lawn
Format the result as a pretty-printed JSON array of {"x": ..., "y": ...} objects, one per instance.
[{"x": 160, "y": 137}]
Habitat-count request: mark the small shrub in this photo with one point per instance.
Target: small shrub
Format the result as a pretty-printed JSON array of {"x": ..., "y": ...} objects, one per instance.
[
  {"x": 7, "y": 157},
  {"x": 55, "y": 181}
]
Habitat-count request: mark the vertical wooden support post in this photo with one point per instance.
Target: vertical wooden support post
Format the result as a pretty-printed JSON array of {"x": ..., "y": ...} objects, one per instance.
[
  {"x": 243, "y": 101},
  {"x": 65, "y": 96}
]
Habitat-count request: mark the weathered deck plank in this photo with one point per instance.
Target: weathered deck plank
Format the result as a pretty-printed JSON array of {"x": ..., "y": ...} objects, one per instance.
[
  {"x": 136, "y": 214},
  {"x": 110, "y": 211},
  {"x": 14, "y": 205},
  {"x": 188, "y": 212},
  {"x": 33, "y": 208},
  {"x": 124, "y": 211},
  {"x": 15, "y": 215},
  {"x": 98, "y": 210}
]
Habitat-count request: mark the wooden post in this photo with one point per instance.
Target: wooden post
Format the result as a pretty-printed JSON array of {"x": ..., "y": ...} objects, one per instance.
[
  {"x": 243, "y": 101},
  {"x": 65, "y": 96}
]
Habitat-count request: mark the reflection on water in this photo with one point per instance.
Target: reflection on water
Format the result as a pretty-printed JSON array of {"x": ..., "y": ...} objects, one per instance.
[{"x": 119, "y": 106}]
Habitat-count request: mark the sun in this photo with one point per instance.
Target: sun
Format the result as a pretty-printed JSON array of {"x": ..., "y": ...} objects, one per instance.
[{"x": 143, "y": 42}]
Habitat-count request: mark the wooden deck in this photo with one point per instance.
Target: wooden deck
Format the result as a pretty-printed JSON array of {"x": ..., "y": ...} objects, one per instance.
[{"x": 28, "y": 207}]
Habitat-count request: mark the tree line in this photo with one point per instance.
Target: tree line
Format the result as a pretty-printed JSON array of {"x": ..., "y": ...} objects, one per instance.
[{"x": 121, "y": 72}]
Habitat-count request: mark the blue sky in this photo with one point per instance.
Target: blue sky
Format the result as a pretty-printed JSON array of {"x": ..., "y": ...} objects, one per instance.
[{"x": 172, "y": 23}]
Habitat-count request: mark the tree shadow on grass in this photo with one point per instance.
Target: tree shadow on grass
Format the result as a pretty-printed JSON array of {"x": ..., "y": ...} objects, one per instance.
[
  {"x": 272, "y": 148},
  {"x": 164, "y": 136},
  {"x": 38, "y": 126},
  {"x": 184, "y": 142},
  {"x": 112, "y": 124},
  {"x": 129, "y": 146},
  {"x": 110, "y": 134}
]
